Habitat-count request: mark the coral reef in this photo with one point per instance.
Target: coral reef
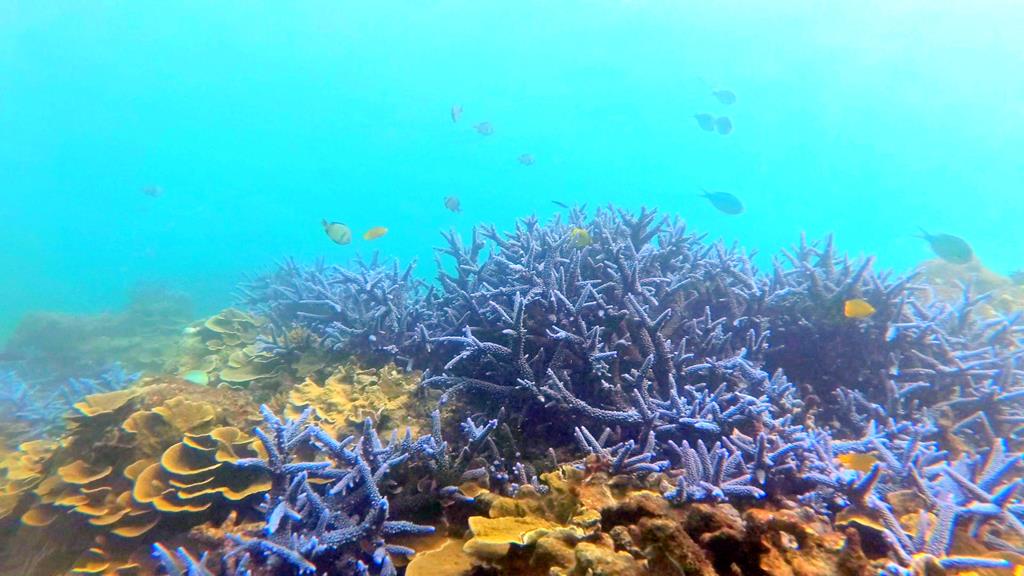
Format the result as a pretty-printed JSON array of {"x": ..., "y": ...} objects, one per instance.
[
  {"x": 351, "y": 395},
  {"x": 370, "y": 311},
  {"x": 36, "y": 410},
  {"x": 143, "y": 336},
  {"x": 235, "y": 349},
  {"x": 947, "y": 282},
  {"x": 134, "y": 464},
  {"x": 644, "y": 402},
  {"x": 738, "y": 386},
  {"x": 341, "y": 526}
]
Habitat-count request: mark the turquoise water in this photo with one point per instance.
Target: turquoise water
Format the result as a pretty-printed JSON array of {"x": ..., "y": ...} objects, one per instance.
[{"x": 866, "y": 119}]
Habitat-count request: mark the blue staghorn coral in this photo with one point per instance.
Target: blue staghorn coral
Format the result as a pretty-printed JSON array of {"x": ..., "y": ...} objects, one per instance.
[
  {"x": 339, "y": 523},
  {"x": 36, "y": 409},
  {"x": 371, "y": 311},
  {"x": 737, "y": 384}
]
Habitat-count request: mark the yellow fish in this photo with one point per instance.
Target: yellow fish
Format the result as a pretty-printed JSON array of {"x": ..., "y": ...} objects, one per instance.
[
  {"x": 337, "y": 232},
  {"x": 581, "y": 237},
  {"x": 375, "y": 232},
  {"x": 858, "y": 462},
  {"x": 857, "y": 308}
]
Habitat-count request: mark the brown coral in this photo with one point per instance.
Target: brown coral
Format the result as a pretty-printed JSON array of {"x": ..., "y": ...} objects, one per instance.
[
  {"x": 947, "y": 281},
  {"x": 131, "y": 459},
  {"x": 353, "y": 394},
  {"x": 232, "y": 327}
]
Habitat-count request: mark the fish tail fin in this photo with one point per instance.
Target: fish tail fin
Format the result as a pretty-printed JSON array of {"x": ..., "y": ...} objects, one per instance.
[
  {"x": 924, "y": 233},
  {"x": 323, "y": 222},
  {"x": 703, "y": 192}
]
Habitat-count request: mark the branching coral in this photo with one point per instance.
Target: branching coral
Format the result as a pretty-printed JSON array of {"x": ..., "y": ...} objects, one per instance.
[
  {"x": 370, "y": 311},
  {"x": 692, "y": 405},
  {"x": 733, "y": 384},
  {"x": 341, "y": 525},
  {"x": 37, "y": 410}
]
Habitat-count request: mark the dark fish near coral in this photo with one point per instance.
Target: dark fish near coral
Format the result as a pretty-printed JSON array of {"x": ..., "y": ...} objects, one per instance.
[
  {"x": 153, "y": 191},
  {"x": 560, "y": 204},
  {"x": 456, "y": 113},
  {"x": 452, "y": 203},
  {"x": 337, "y": 232},
  {"x": 723, "y": 125},
  {"x": 950, "y": 248},
  {"x": 484, "y": 128},
  {"x": 723, "y": 201},
  {"x": 526, "y": 159},
  {"x": 724, "y": 96},
  {"x": 705, "y": 121}
]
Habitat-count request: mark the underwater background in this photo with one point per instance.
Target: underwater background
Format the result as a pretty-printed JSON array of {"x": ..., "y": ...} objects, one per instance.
[
  {"x": 866, "y": 119},
  {"x": 459, "y": 288}
]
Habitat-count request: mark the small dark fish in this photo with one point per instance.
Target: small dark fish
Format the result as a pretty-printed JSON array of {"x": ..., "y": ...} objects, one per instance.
[
  {"x": 950, "y": 248},
  {"x": 725, "y": 96},
  {"x": 456, "y": 113},
  {"x": 153, "y": 191},
  {"x": 724, "y": 202},
  {"x": 705, "y": 121},
  {"x": 560, "y": 204},
  {"x": 484, "y": 128},
  {"x": 526, "y": 159},
  {"x": 452, "y": 203},
  {"x": 723, "y": 125}
]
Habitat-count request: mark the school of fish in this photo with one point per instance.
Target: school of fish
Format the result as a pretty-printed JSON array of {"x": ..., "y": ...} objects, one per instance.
[{"x": 947, "y": 247}]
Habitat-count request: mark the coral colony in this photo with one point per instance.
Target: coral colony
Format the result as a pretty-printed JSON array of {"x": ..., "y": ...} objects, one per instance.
[
  {"x": 651, "y": 358},
  {"x": 35, "y": 410}
]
